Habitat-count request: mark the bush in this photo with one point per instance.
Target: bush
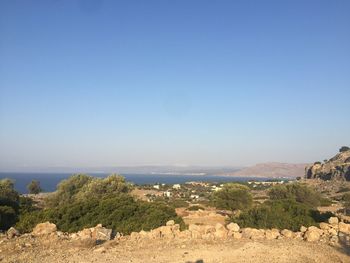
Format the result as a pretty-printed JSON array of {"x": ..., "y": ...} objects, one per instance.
[
  {"x": 280, "y": 214},
  {"x": 121, "y": 213},
  {"x": 34, "y": 187},
  {"x": 296, "y": 191},
  {"x": 9, "y": 204},
  {"x": 344, "y": 149},
  {"x": 346, "y": 200},
  {"x": 80, "y": 187},
  {"x": 233, "y": 197}
]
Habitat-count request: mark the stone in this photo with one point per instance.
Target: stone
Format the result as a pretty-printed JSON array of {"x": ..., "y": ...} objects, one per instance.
[
  {"x": 12, "y": 232},
  {"x": 166, "y": 232},
  {"x": 85, "y": 234},
  {"x": 325, "y": 226},
  {"x": 44, "y": 229},
  {"x": 344, "y": 228},
  {"x": 196, "y": 234},
  {"x": 333, "y": 220},
  {"x": 312, "y": 235},
  {"x": 333, "y": 232},
  {"x": 219, "y": 226},
  {"x": 272, "y": 234},
  {"x": 287, "y": 233},
  {"x": 186, "y": 234},
  {"x": 303, "y": 229},
  {"x": 100, "y": 250},
  {"x": 237, "y": 235},
  {"x": 253, "y": 233},
  {"x": 170, "y": 223},
  {"x": 209, "y": 229},
  {"x": 221, "y": 233},
  {"x": 233, "y": 227},
  {"x": 101, "y": 233}
]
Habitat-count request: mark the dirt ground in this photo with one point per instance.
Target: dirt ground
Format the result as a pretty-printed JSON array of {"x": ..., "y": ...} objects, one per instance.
[{"x": 171, "y": 251}]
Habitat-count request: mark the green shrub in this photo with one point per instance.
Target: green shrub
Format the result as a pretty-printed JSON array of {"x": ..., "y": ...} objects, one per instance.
[
  {"x": 295, "y": 191},
  {"x": 9, "y": 204},
  {"x": 233, "y": 197},
  {"x": 34, "y": 187},
  {"x": 281, "y": 214},
  {"x": 344, "y": 149},
  {"x": 121, "y": 213}
]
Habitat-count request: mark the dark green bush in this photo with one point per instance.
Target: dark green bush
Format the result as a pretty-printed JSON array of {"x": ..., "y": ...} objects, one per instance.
[
  {"x": 296, "y": 191},
  {"x": 344, "y": 149},
  {"x": 121, "y": 213},
  {"x": 9, "y": 204},
  {"x": 233, "y": 197},
  {"x": 281, "y": 214}
]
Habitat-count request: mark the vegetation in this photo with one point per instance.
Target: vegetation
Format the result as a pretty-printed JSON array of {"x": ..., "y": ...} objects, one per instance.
[
  {"x": 82, "y": 201},
  {"x": 344, "y": 149},
  {"x": 195, "y": 208},
  {"x": 233, "y": 197},
  {"x": 297, "y": 192},
  {"x": 34, "y": 187},
  {"x": 9, "y": 204},
  {"x": 290, "y": 206},
  {"x": 346, "y": 199}
]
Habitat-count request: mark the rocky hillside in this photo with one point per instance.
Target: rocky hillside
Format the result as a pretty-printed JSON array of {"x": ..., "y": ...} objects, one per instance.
[
  {"x": 337, "y": 167},
  {"x": 273, "y": 170}
]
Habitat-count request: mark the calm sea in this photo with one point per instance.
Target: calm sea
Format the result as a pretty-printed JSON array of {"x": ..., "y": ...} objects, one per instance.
[{"x": 49, "y": 181}]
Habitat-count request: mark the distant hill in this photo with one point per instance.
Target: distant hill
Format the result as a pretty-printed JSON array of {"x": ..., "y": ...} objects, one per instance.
[{"x": 273, "y": 170}]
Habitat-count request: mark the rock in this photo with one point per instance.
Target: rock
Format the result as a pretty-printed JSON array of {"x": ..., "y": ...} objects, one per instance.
[
  {"x": 12, "y": 232},
  {"x": 134, "y": 236},
  {"x": 44, "y": 229},
  {"x": 221, "y": 233},
  {"x": 303, "y": 229},
  {"x": 312, "y": 235},
  {"x": 219, "y": 226},
  {"x": 85, "y": 234},
  {"x": 170, "y": 223},
  {"x": 337, "y": 167},
  {"x": 101, "y": 233},
  {"x": 233, "y": 227},
  {"x": 100, "y": 250},
  {"x": 209, "y": 229},
  {"x": 186, "y": 234},
  {"x": 344, "y": 228},
  {"x": 287, "y": 233},
  {"x": 325, "y": 226},
  {"x": 166, "y": 232},
  {"x": 196, "y": 234},
  {"x": 298, "y": 235},
  {"x": 333, "y": 232},
  {"x": 237, "y": 235},
  {"x": 272, "y": 234},
  {"x": 333, "y": 220},
  {"x": 253, "y": 233}
]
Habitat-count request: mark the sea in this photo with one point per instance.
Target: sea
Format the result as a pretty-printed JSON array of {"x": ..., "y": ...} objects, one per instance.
[{"x": 49, "y": 181}]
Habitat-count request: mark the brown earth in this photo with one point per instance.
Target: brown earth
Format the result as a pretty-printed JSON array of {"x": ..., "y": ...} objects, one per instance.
[{"x": 28, "y": 249}]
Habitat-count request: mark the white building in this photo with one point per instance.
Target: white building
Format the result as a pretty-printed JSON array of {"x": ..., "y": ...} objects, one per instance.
[
  {"x": 156, "y": 186},
  {"x": 167, "y": 193},
  {"x": 176, "y": 186}
]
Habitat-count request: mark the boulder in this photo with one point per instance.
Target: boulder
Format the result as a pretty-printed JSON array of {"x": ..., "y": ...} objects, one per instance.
[
  {"x": 44, "y": 229},
  {"x": 312, "y": 235},
  {"x": 272, "y": 234},
  {"x": 325, "y": 226},
  {"x": 186, "y": 234},
  {"x": 344, "y": 228},
  {"x": 233, "y": 227},
  {"x": 253, "y": 233},
  {"x": 101, "y": 233},
  {"x": 287, "y": 233},
  {"x": 196, "y": 234},
  {"x": 209, "y": 229},
  {"x": 303, "y": 229},
  {"x": 221, "y": 233},
  {"x": 86, "y": 233},
  {"x": 333, "y": 220},
  {"x": 237, "y": 235},
  {"x": 166, "y": 232},
  {"x": 219, "y": 226},
  {"x": 12, "y": 232},
  {"x": 170, "y": 223}
]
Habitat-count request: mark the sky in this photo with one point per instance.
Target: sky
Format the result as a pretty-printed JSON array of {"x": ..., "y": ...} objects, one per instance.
[{"x": 187, "y": 82}]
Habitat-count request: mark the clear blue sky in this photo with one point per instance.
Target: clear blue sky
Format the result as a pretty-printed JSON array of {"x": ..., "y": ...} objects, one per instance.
[{"x": 97, "y": 83}]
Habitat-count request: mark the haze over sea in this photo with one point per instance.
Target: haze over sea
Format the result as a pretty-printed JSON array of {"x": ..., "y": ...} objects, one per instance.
[{"x": 49, "y": 181}]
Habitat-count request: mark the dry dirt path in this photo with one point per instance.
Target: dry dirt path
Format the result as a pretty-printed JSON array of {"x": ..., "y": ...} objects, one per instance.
[{"x": 172, "y": 252}]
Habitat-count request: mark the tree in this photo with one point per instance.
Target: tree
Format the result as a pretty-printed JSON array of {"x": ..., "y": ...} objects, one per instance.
[
  {"x": 344, "y": 149},
  {"x": 34, "y": 187},
  {"x": 233, "y": 197},
  {"x": 9, "y": 204},
  {"x": 296, "y": 191}
]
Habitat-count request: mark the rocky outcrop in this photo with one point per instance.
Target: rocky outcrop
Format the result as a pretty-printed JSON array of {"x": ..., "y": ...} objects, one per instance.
[
  {"x": 44, "y": 229},
  {"x": 337, "y": 167}
]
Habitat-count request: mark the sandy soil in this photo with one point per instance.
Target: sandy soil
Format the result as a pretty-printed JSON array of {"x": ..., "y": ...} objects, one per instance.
[{"x": 284, "y": 250}]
